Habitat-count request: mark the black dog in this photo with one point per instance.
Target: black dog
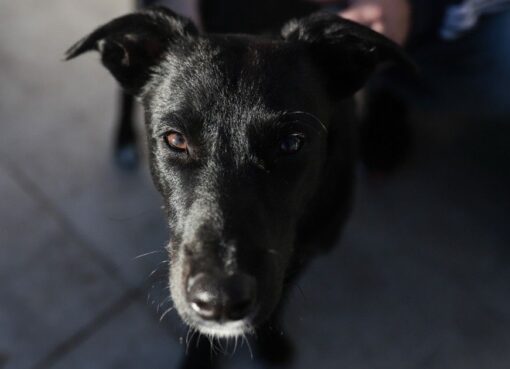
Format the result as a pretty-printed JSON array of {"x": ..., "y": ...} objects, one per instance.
[{"x": 252, "y": 144}]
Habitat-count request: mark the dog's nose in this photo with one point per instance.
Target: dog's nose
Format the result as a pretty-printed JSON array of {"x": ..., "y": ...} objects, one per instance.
[{"x": 228, "y": 298}]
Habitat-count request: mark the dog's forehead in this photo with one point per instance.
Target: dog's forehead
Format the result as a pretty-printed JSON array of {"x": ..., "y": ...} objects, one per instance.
[
  {"x": 235, "y": 74},
  {"x": 231, "y": 91}
]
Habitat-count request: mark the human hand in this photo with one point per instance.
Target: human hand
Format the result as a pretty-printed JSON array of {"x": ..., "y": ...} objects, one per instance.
[{"x": 392, "y": 18}]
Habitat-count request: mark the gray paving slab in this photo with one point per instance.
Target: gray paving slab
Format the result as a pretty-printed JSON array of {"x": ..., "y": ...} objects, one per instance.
[
  {"x": 395, "y": 312},
  {"x": 57, "y": 123},
  {"x": 21, "y": 232},
  {"x": 132, "y": 340},
  {"x": 49, "y": 286},
  {"x": 417, "y": 281}
]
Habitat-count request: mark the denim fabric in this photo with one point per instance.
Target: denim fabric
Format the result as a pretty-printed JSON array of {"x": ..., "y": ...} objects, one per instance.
[{"x": 470, "y": 74}]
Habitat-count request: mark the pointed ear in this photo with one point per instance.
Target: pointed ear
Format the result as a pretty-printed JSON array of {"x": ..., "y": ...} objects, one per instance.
[
  {"x": 345, "y": 52},
  {"x": 133, "y": 44}
]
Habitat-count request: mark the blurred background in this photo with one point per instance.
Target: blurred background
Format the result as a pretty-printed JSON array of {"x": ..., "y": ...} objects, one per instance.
[{"x": 421, "y": 278}]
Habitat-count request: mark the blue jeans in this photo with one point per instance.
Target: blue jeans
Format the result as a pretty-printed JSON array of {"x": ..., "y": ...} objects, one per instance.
[{"x": 469, "y": 75}]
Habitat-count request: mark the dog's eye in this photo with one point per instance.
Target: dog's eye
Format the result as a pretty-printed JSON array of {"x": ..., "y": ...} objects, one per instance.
[
  {"x": 292, "y": 143},
  {"x": 176, "y": 141}
]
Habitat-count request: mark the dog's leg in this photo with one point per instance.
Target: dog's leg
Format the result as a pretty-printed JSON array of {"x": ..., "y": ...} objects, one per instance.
[
  {"x": 126, "y": 153},
  {"x": 199, "y": 354}
]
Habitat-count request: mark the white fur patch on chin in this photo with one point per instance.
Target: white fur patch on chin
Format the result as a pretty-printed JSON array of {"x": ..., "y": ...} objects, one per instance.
[{"x": 225, "y": 330}]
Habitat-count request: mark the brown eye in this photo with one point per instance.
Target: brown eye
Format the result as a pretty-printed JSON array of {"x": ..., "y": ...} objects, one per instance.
[
  {"x": 291, "y": 144},
  {"x": 176, "y": 141}
]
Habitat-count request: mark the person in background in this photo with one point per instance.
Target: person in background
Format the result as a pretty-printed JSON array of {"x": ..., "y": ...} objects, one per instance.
[{"x": 462, "y": 49}]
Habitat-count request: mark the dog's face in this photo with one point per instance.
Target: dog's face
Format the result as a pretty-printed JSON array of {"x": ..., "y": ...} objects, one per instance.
[
  {"x": 237, "y": 159},
  {"x": 238, "y": 131}
]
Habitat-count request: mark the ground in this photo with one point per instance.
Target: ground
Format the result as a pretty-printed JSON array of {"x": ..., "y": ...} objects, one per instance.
[{"x": 421, "y": 278}]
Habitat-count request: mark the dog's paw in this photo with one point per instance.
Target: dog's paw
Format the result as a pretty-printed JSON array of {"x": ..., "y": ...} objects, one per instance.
[
  {"x": 275, "y": 349},
  {"x": 126, "y": 156}
]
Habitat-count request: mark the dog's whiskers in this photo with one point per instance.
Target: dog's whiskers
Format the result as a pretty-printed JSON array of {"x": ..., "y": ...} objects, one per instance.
[
  {"x": 166, "y": 312},
  {"x": 165, "y": 300},
  {"x": 189, "y": 337},
  {"x": 147, "y": 254},
  {"x": 300, "y": 291},
  {"x": 245, "y": 339},
  {"x": 151, "y": 274},
  {"x": 198, "y": 339},
  {"x": 278, "y": 256},
  {"x": 235, "y": 346},
  {"x": 212, "y": 345}
]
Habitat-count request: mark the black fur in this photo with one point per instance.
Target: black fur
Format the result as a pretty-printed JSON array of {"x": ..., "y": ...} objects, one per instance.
[{"x": 238, "y": 207}]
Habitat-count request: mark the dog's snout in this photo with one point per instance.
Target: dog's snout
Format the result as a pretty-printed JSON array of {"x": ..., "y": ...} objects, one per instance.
[{"x": 222, "y": 298}]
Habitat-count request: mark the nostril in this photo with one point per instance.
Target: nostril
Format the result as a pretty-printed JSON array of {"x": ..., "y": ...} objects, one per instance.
[
  {"x": 205, "y": 306},
  {"x": 240, "y": 309},
  {"x": 222, "y": 298},
  {"x": 204, "y": 297},
  {"x": 241, "y": 295}
]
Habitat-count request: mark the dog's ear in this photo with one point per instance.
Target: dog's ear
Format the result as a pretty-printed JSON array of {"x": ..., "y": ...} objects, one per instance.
[
  {"x": 131, "y": 45},
  {"x": 345, "y": 52}
]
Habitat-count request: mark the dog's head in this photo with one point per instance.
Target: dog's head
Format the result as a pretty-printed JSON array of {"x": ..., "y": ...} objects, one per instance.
[{"x": 241, "y": 136}]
